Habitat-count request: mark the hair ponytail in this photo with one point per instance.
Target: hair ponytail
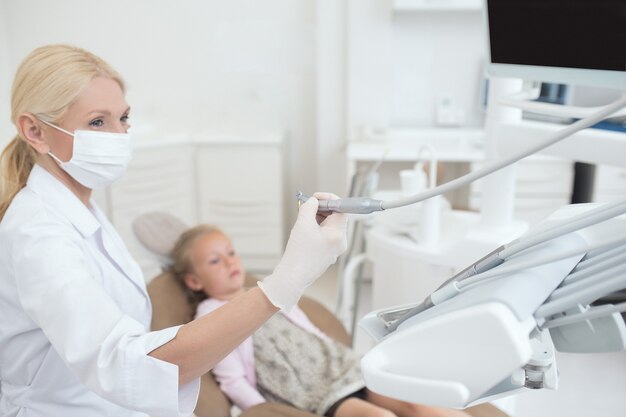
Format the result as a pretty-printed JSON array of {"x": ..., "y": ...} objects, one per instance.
[{"x": 16, "y": 162}]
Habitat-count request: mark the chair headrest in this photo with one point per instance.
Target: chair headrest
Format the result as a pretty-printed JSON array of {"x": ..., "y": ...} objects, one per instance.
[{"x": 158, "y": 232}]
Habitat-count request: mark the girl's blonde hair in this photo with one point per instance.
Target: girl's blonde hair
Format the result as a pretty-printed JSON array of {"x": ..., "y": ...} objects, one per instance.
[
  {"x": 46, "y": 84},
  {"x": 181, "y": 258}
]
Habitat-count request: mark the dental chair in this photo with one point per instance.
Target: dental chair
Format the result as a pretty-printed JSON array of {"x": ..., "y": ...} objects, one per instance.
[{"x": 170, "y": 307}]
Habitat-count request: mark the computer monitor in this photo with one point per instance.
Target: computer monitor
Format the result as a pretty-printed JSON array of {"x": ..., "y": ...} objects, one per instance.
[
  {"x": 574, "y": 42},
  {"x": 561, "y": 41}
]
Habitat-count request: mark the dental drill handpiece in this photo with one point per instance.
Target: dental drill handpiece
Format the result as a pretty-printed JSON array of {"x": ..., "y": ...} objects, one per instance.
[{"x": 354, "y": 205}]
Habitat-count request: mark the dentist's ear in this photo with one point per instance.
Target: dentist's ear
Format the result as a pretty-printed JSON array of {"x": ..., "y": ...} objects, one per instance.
[{"x": 32, "y": 133}]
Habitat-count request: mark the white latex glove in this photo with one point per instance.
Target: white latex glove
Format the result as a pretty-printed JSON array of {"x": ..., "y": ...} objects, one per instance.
[{"x": 311, "y": 249}]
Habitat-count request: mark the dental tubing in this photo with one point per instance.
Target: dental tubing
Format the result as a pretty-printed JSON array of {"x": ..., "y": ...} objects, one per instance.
[{"x": 364, "y": 205}]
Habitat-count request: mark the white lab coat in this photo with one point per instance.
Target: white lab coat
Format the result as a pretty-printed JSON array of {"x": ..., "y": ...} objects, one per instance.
[{"x": 75, "y": 316}]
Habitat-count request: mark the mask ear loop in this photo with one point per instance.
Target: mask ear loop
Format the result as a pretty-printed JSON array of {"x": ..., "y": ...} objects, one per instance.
[
  {"x": 60, "y": 129},
  {"x": 58, "y": 161}
]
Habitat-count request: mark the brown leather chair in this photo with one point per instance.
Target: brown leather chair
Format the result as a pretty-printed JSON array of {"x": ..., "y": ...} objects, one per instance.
[{"x": 170, "y": 307}]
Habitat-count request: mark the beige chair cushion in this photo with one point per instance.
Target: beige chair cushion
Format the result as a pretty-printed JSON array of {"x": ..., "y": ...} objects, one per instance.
[{"x": 158, "y": 231}]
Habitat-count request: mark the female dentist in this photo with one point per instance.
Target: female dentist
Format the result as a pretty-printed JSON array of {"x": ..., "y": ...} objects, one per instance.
[{"x": 74, "y": 312}]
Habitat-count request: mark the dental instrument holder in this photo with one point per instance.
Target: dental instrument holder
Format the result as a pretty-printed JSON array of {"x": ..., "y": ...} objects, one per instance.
[
  {"x": 482, "y": 343},
  {"x": 496, "y": 329},
  {"x": 486, "y": 341}
]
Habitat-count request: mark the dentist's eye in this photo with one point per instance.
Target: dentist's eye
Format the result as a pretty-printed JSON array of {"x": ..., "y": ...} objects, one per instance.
[
  {"x": 124, "y": 118},
  {"x": 96, "y": 123}
]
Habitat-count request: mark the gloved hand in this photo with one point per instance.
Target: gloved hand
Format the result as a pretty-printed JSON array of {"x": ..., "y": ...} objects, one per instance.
[{"x": 311, "y": 249}]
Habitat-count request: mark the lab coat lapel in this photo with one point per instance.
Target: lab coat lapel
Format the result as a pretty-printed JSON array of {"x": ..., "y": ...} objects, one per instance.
[
  {"x": 86, "y": 222},
  {"x": 61, "y": 199},
  {"x": 116, "y": 249}
]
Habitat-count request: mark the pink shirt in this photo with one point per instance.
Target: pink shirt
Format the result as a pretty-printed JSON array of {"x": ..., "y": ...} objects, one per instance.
[{"x": 236, "y": 373}]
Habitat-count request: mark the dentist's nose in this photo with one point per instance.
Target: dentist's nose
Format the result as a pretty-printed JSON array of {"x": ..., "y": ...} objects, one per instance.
[{"x": 120, "y": 128}]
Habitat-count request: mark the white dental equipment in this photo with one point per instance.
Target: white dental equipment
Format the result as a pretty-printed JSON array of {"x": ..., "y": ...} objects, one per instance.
[
  {"x": 492, "y": 329},
  {"x": 489, "y": 331}
]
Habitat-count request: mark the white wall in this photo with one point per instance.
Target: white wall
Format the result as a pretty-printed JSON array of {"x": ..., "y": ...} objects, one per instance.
[
  {"x": 330, "y": 96},
  {"x": 436, "y": 53},
  {"x": 6, "y": 130},
  {"x": 400, "y": 61},
  {"x": 369, "y": 75},
  {"x": 236, "y": 67}
]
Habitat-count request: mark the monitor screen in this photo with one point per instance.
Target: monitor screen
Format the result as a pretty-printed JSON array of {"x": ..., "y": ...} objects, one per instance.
[{"x": 565, "y": 41}]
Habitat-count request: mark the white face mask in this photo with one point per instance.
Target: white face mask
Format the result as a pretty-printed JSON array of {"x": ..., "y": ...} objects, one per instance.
[{"x": 98, "y": 158}]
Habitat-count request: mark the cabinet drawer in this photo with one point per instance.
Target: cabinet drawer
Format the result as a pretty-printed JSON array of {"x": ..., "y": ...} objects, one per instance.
[
  {"x": 255, "y": 240},
  {"x": 156, "y": 180},
  {"x": 253, "y": 226},
  {"x": 240, "y": 191},
  {"x": 238, "y": 174}
]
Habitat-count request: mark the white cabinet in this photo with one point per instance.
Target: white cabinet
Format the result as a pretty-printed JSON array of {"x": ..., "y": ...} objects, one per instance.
[
  {"x": 543, "y": 184},
  {"x": 240, "y": 191},
  {"x": 610, "y": 184},
  {"x": 158, "y": 179},
  {"x": 234, "y": 186}
]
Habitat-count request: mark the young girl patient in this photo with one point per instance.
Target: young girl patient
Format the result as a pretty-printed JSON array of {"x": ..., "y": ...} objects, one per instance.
[{"x": 288, "y": 360}]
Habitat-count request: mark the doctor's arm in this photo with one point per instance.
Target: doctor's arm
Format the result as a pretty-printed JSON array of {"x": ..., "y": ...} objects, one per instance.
[
  {"x": 200, "y": 344},
  {"x": 311, "y": 248}
]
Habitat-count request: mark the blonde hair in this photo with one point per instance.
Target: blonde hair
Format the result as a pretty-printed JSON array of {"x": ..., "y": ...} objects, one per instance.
[
  {"x": 46, "y": 84},
  {"x": 181, "y": 258}
]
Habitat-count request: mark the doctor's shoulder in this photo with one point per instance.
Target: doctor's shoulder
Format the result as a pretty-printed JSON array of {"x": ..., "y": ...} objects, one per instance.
[{"x": 30, "y": 218}]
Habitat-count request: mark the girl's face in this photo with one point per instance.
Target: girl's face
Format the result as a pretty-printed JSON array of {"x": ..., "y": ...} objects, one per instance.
[{"x": 216, "y": 267}]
